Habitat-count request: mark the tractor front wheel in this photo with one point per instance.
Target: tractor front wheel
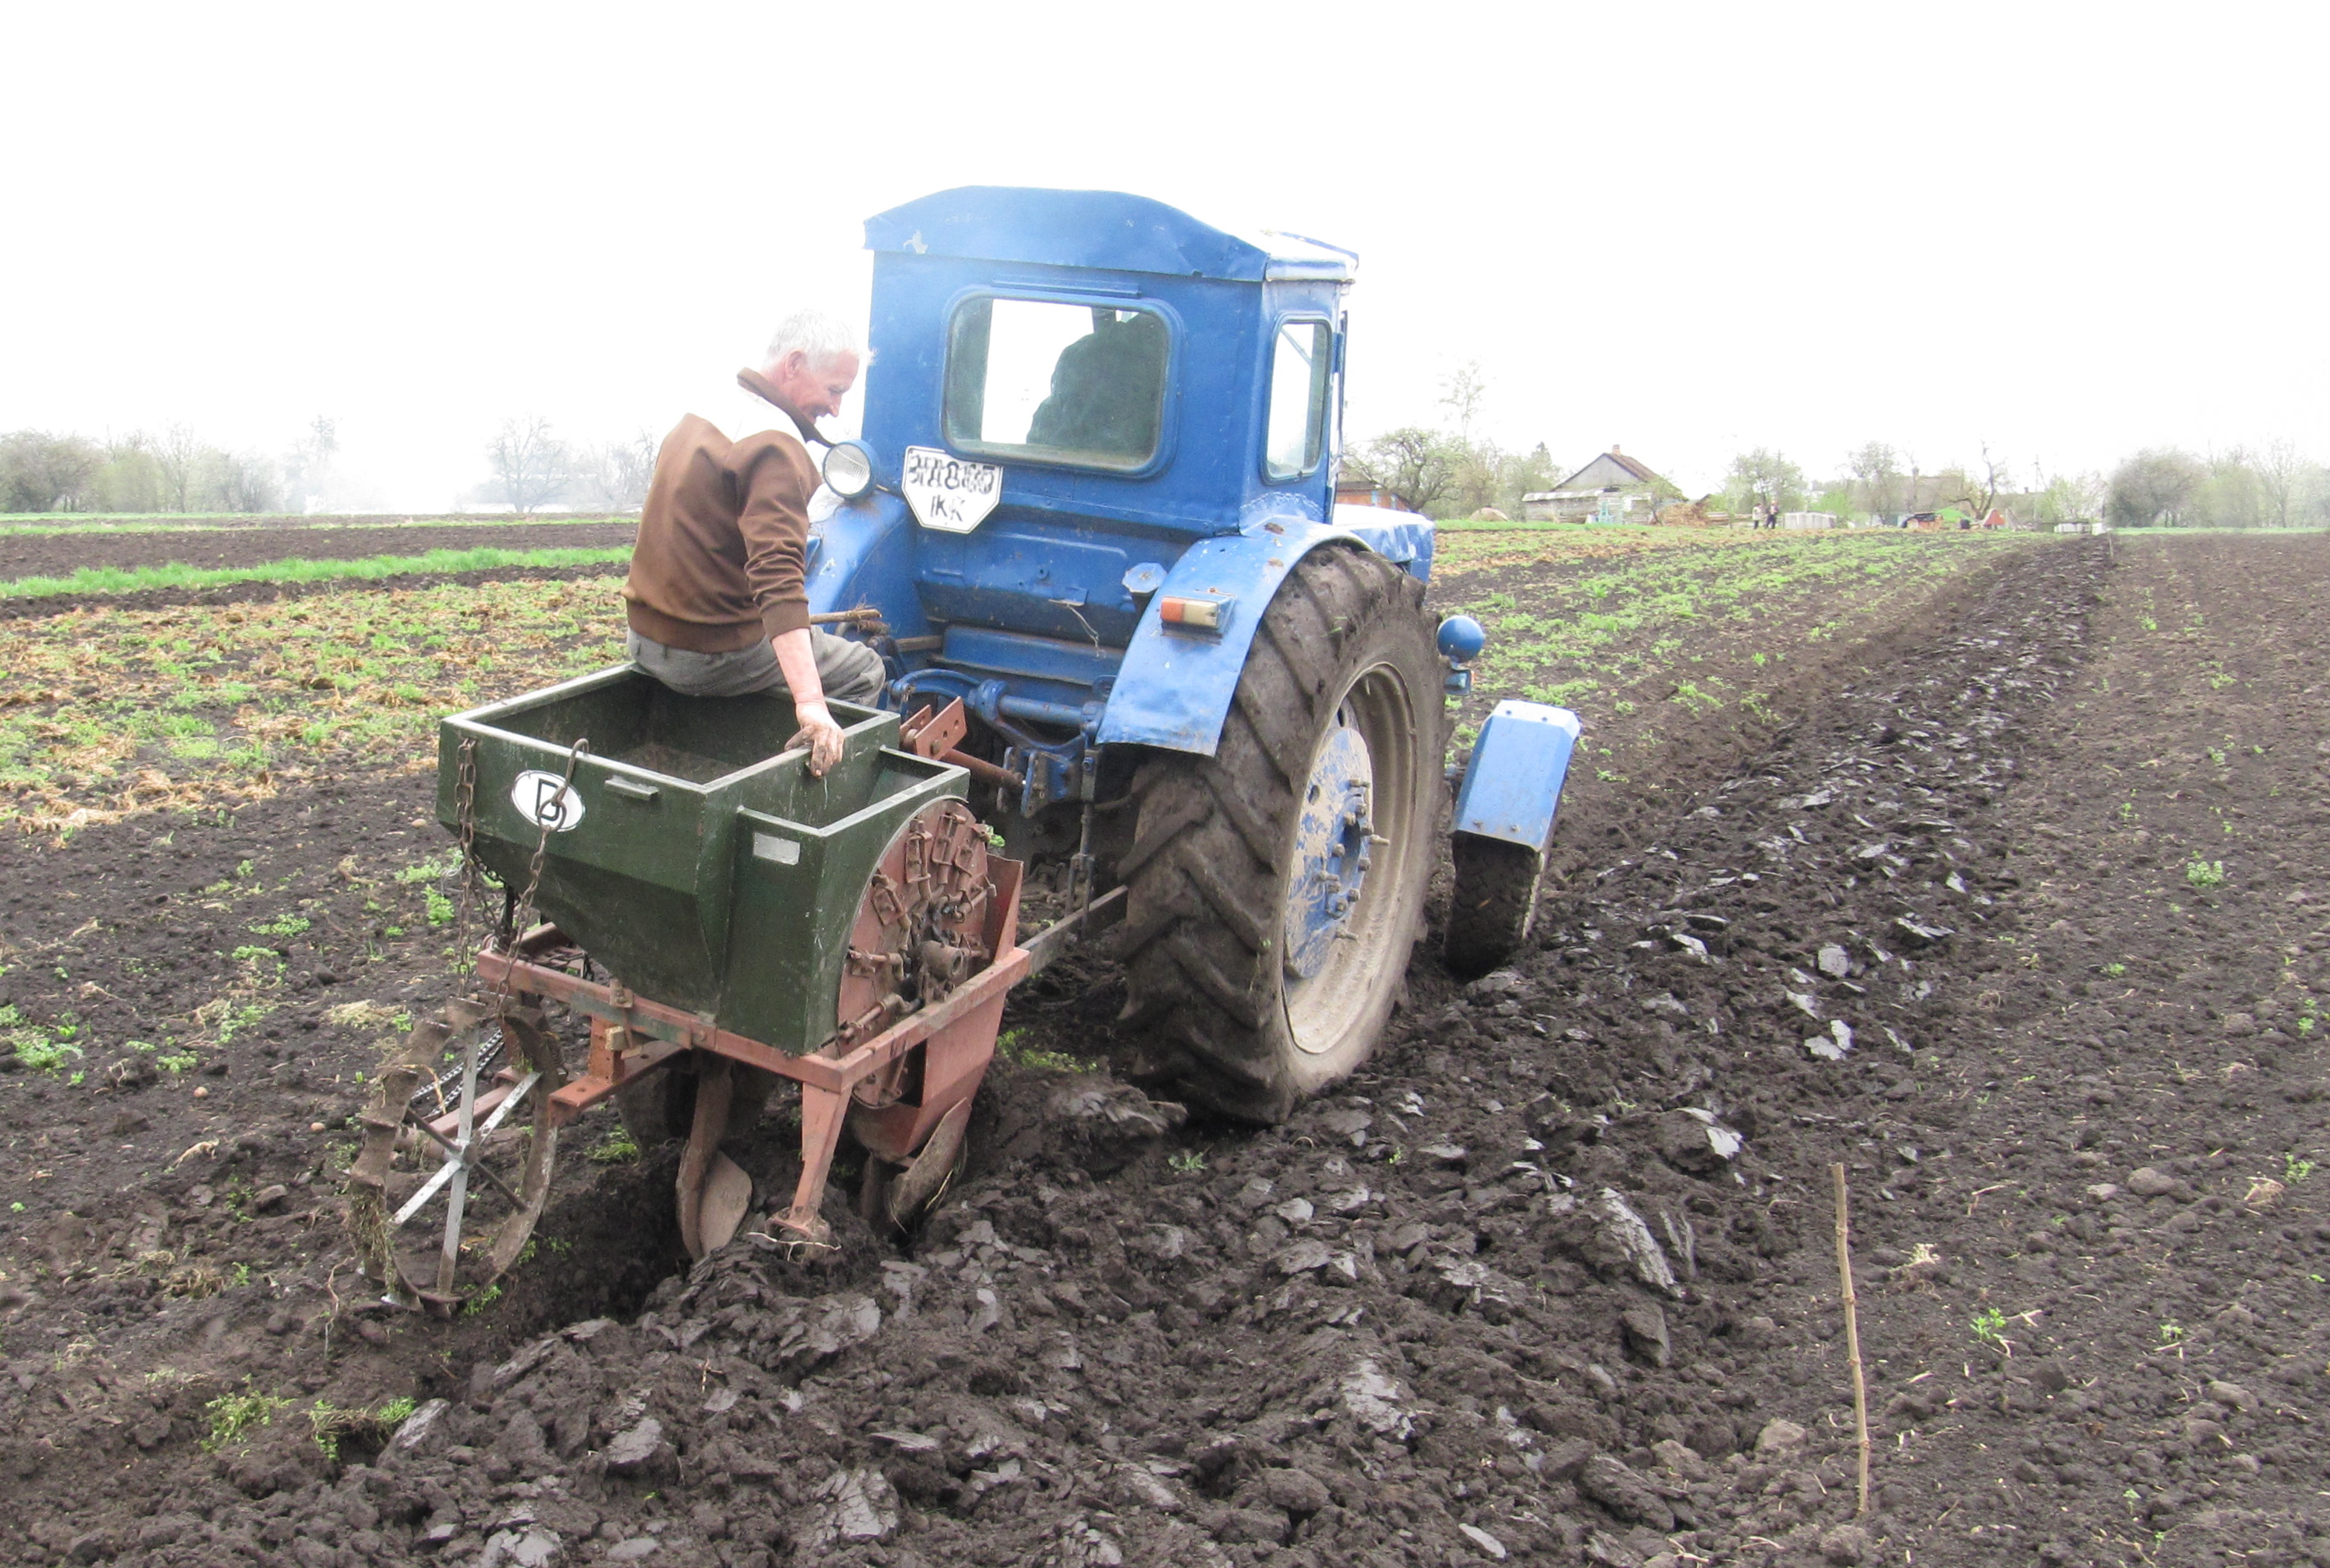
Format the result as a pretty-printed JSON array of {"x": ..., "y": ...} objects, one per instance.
[{"x": 1275, "y": 889}]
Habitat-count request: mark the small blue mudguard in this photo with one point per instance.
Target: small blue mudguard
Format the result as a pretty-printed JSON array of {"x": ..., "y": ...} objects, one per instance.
[
  {"x": 1175, "y": 687},
  {"x": 1512, "y": 786}
]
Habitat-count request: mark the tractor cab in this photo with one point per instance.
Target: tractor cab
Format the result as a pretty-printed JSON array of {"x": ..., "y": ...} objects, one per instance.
[{"x": 1097, "y": 433}]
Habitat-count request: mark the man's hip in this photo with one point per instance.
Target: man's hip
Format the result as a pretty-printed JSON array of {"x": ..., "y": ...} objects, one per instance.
[{"x": 850, "y": 672}]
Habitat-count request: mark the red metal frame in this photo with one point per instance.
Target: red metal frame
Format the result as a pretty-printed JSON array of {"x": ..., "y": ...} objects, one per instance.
[{"x": 632, "y": 1035}]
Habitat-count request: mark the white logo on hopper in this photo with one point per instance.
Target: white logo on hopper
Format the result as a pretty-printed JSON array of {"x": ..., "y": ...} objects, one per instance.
[{"x": 546, "y": 800}]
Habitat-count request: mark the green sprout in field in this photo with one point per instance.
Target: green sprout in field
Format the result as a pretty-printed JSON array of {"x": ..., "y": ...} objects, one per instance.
[
  {"x": 2294, "y": 1170},
  {"x": 1010, "y": 1045},
  {"x": 615, "y": 1148},
  {"x": 1989, "y": 1326},
  {"x": 436, "y": 870},
  {"x": 232, "y": 1414},
  {"x": 333, "y": 1425},
  {"x": 2205, "y": 873},
  {"x": 1188, "y": 1161}
]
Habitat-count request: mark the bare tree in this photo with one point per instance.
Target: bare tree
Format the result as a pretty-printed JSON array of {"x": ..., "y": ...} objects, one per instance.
[
  {"x": 615, "y": 475},
  {"x": 176, "y": 453},
  {"x": 1416, "y": 464},
  {"x": 1995, "y": 476},
  {"x": 1762, "y": 474},
  {"x": 232, "y": 482},
  {"x": 1461, "y": 394},
  {"x": 1875, "y": 469},
  {"x": 2280, "y": 472},
  {"x": 530, "y": 465},
  {"x": 307, "y": 471},
  {"x": 40, "y": 472},
  {"x": 2068, "y": 498}
]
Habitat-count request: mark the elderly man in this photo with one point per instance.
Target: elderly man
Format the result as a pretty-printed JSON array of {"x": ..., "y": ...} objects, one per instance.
[{"x": 716, "y": 600}]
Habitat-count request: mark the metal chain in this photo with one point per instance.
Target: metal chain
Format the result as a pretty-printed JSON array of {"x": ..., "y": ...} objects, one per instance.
[
  {"x": 471, "y": 905},
  {"x": 548, "y": 813}
]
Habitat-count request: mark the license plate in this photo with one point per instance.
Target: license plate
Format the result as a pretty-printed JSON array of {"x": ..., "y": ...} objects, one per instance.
[{"x": 947, "y": 493}]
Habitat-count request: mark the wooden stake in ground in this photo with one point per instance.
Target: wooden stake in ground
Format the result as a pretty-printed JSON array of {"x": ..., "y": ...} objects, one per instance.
[{"x": 1852, "y": 1333}]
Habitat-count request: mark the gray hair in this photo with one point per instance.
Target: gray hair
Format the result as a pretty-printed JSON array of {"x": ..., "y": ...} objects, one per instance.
[{"x": 819, "y": 334}]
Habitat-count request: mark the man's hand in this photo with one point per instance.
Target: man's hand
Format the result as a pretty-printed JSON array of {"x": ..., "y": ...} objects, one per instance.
[
  {"x": 820, "y": 734},
  {"x": 797, "y": 657}
]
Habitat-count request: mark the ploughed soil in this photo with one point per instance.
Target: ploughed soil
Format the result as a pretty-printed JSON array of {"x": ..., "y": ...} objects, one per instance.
[
  {"x": 260, "y": 590},
  {"x": 2019, "y": 915},
  {"x": 62, "y": 554}
]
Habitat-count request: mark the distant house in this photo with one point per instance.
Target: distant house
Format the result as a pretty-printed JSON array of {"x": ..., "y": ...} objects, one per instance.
[
  {"x": 1611, "y": 488},
  {"x": 1360, "y": 493}
]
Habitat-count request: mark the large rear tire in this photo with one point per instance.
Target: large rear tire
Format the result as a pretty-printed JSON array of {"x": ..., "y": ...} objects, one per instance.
[{"x": 1275, "y": 889}]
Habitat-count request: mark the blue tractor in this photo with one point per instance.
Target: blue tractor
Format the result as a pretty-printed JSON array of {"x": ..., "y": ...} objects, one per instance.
[{"x": 1094, "y": 506}]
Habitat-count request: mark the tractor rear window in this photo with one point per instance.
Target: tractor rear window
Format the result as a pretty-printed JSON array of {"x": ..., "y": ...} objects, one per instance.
[
  {"x": 1299, "y": 378},
  {"x": 1063, "y": 384}
]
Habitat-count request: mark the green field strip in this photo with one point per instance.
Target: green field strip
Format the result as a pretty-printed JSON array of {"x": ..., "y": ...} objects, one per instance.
[
  {"x": 146, "y": 579},
  {"x": 175, "y": 524}
]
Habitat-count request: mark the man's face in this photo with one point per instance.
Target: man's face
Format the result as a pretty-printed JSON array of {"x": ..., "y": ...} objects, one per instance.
[{"x": 813, "y": 391}]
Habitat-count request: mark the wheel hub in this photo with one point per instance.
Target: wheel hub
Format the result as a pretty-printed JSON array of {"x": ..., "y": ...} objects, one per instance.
[{"x": 1332, "y": 843}]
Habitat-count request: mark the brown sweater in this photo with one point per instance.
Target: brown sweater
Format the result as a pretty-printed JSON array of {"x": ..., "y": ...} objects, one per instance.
[{"x": 718, "y": 563}]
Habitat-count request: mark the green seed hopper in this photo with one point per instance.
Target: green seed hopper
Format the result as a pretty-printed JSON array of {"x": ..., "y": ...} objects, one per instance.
[
  {"x": 691, "y": 856},
  {"x": 725, "y": 917}
]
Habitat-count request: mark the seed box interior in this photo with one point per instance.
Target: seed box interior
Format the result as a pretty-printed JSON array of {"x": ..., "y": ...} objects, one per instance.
[{"x": 693, "y": 856}]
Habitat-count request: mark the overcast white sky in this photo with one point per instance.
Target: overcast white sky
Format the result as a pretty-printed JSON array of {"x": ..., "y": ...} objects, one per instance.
[{"x": 2068, "y": 229}]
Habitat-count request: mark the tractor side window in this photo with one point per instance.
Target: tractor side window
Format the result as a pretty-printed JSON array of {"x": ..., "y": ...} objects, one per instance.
[
  {"x": 1301, "y": 368},
  {"x": 1063, "y": 384}
]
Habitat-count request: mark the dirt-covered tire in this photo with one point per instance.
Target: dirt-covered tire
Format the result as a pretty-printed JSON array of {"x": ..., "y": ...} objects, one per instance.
[
  {"x": 1492, "y": 904},
  {"x": 662, "y": 1105},
  {"x": 1215, "y": 965}
]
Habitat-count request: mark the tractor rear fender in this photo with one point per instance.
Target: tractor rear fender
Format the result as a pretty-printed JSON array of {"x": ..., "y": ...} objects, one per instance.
[
  {"x": 1174, "y": 688},
  {"x": 864, "y": 554},
  {"x": 1512, "y": 786}
]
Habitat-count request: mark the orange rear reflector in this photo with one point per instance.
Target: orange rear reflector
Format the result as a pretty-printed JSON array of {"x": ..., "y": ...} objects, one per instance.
[{"x": 1199, "y": 614}]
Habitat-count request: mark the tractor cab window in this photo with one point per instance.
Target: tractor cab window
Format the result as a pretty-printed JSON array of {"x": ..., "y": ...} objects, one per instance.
[
  {"x": 1302, "y": 368},
  {"x": 1080, "y": 385}
]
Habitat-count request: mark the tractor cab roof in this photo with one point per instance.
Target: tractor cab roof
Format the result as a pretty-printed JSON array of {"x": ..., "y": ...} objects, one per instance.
[{"x": 1101, "y": 230}]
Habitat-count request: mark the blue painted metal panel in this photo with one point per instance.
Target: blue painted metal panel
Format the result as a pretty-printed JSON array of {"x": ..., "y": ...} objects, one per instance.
[
  {"x": 1048, "y": 569},
  {"x": 1046, "y": 578},
  {"x": 1096, "y": 229},
  {"x": 865, "y": 554},
  {"x": 1400, "y": 536},
  {"x": 1174, "y": 688},
  {"x": 1210, "y": 441},
  {"x": 1512, "y": 786},
  {"x": 1048, "y": 669}
]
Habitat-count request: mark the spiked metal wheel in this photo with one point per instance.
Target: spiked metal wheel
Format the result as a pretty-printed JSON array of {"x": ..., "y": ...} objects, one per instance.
[{"x": 460, "y": 1124}]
